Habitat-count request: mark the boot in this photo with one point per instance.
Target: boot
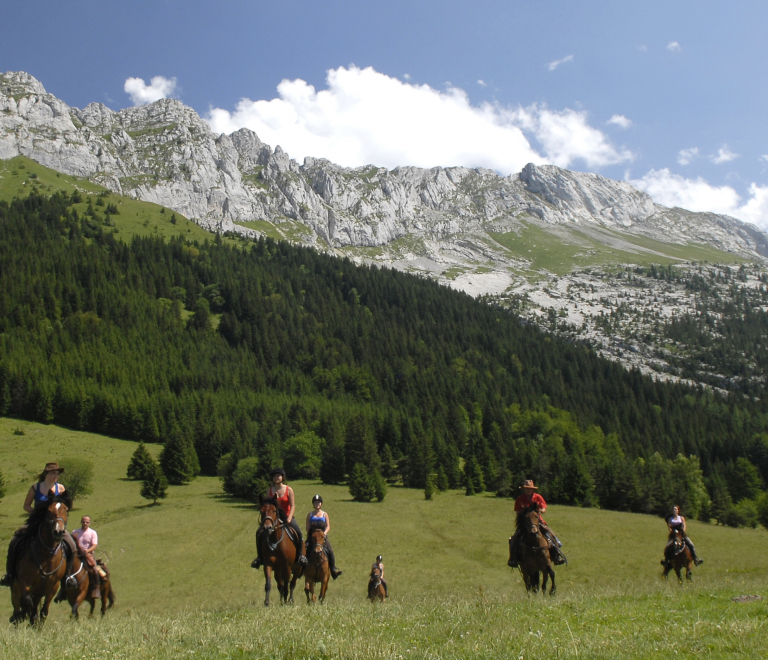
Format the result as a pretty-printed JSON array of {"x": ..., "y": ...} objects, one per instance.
[
  {"x": 696, "y": 560},
  {"x": 256, "y": 563},
  {"x": 6, "y": 580},
  {"x": 95, "y": 590},
  {"x": 335, "y": 572},
  {"x": 513, "y": 558}
]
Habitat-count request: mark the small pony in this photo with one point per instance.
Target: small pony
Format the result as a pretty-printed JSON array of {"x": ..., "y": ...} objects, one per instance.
[
  {"x": 677, "y": 556},
  {"x": 317, "y": 569},
  {"x": 376, "y": 591}
]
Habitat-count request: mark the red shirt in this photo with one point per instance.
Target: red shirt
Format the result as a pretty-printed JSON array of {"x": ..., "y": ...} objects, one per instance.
[{"x": 523, "y": 501}]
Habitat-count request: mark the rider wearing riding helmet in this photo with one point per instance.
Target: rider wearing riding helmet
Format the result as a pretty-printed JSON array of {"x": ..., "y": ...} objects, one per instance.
[
  {"x": 380, "y": 565},
  {"x": 676, "y": 522},
  {"x": 528, "y": 499},
  {"x": 36, "y": 503},
  {"x": 319, "y": 519},
  {"x": 286, "y": 507}
]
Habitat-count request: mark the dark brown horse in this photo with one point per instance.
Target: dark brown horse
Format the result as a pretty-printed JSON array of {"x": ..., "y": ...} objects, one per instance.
[
  {"x": 376, "y": 591},
  {"x": 83, "y": 591},
  {"x": 317, "y": 569},
  {"x": 41, "y": 567},
  {"x": 534, "y": 553},
  {"x": 278, "y": 552},
  {"x": 677, "y": 556}
]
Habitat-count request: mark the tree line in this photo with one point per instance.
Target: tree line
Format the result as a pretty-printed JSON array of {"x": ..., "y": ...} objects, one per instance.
[{"x": 248, "y": 357}]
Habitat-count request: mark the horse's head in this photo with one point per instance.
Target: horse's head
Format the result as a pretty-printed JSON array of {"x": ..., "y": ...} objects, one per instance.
[
  {"x": 316, "y": 542},
  {"x": 56, "y": 517},
  {"x": 268, "y": 514},
  {"x": 376, "y": 573}
]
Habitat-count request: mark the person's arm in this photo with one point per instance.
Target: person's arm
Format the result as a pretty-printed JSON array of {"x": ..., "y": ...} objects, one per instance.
[
  {"x": 291, "y": 505},
  {"x": 30, "y": 498},
  {"x": 306, "y": 522},
  {"x": 542, "y": 504},
  {"x": 327, "y": 523},
  {"x": 684, "y": 529}
]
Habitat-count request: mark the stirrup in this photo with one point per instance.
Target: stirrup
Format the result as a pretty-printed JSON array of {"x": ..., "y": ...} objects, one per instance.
[
  {"x": 698, "y": 561},
  {"x": 336, "y": 573},
  {"x": 70, "y": 582}
]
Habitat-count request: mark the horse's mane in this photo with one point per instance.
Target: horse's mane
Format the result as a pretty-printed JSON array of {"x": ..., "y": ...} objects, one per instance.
[
  {"x": 522, "y": 514},
  {"x": 38, "y": 515}
]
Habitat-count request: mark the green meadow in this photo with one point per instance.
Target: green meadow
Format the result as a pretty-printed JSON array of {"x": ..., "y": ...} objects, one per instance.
[
  {"x": 564, "y": 249},
  {"x": 185, "y": 589}
]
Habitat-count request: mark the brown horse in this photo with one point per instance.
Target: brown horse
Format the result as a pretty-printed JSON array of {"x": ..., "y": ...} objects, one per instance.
[
  {"x": 376, "y": 589},
  {"x": 278, "y": 552},
  {"x": 677, "y": 556},
  {"x": 317, "y": 569},
  {"x": 76, "y": 595},
  {"x": 534, "y": 555},
  {"x": 41, "y": 567}
]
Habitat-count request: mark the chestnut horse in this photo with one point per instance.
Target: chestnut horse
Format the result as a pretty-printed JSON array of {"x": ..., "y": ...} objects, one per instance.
[
  {"x": 317, "y": 569},
  {"x": 376, "y": 589},
  {"x": 278, "y": 552},
  {"x": 76, "y": 595},
  {"x": 534, "y": 555},
  {"x": 677, "y": 555},
  {"x": 41, "y": 567}
]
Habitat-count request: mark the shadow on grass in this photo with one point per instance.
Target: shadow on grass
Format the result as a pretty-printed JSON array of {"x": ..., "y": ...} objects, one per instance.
[{"x": 232, "y": 502}]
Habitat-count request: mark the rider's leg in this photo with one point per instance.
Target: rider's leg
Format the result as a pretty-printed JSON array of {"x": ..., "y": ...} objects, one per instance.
[
  {"x": 335, "y": 572},
  {"x": 10, "y": 561},
  {"x": 386, "y": 590},
  {"x": 302, "y": 559},
  {"x": 696, "y": 560},
  {"x": 256, "y": 563},
  {"x": 514, "y": 549},
  {"x": 69, "y": 581}
]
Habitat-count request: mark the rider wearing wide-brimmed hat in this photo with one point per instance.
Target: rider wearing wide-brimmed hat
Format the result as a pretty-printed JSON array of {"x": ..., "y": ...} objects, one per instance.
[
  {"x": 530, "y": 498},
  {"x": 286, "y": 505},
  {"x": 38, "y": 498}
]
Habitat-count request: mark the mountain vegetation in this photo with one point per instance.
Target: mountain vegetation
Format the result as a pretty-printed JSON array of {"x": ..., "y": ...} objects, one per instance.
[{"x": 272, "y": 353}]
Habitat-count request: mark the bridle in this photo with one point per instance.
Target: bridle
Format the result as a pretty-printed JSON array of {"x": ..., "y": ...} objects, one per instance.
[
  {"x": 275, "y": 525},
  {"x": 52, "y": 550},
  {"x": 318, "y": 548}
]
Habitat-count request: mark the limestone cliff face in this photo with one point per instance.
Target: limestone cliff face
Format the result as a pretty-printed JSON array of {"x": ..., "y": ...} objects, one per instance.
[{"x": 165, "y": 153}]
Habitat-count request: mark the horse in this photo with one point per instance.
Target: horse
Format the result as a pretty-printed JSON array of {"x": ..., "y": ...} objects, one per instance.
[
  {"x": 41, "y": 567},
  {"x": 534, "y": 556},
  {"x": 677, "y": 555},
  {"x": 83, "y": 591},
  {"x": 317, "y": 569},
  {"x": 278, "y": 552},
  {"x": 376, "y": 589}
]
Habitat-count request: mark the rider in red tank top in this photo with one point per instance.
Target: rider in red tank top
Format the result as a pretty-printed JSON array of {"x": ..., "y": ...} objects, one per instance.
[{"x": 284, "y": 501}]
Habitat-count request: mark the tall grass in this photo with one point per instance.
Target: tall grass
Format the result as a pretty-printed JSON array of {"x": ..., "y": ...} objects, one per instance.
[{"x": 185, "y": 588}]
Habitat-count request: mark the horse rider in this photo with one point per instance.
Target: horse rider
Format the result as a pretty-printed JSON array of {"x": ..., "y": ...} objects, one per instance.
[
  {"x": 88, "y": 540},
  {"x": 319, "y": 519},
  {"x": 675, "y": 523},
  {"x": 36, "y": 503},
  {"x": 286, "y": 506},
  {"x": 530, "y": 498},
  {"x": 380, "y": 565}
]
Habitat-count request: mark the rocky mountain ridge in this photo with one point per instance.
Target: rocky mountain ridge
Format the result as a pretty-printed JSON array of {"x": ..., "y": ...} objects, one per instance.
[{"x": 165, "y": 153}]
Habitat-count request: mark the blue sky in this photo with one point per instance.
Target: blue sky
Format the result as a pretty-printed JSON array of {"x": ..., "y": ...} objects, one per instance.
[{"x": 669, "y": 95}]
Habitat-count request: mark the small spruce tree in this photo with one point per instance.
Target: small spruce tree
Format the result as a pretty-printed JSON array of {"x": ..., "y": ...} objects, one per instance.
[
  {"x": 155, "y": 485},
  {"x": 429, "y": 488},
  {"x": 141, "y": 463},
  {"x": 178, "y": 459}
]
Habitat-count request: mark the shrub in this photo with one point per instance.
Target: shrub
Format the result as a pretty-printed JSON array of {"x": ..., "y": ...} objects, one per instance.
[
  {"x": 248, "y": 481},
  {"x": 79, "y": 476}
]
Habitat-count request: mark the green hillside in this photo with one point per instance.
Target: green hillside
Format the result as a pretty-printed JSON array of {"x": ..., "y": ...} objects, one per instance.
[{"x": 184, "y": 585}]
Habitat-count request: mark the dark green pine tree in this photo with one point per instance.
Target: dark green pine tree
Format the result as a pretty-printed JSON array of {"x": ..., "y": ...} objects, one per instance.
[
  {"x": 178, "y": 459},
  {"x": 141, "y": 463},
  {"x": 155, "y": 485},
  {"x": 332, "y": 464},
  {"x": 361, "y": 486}
]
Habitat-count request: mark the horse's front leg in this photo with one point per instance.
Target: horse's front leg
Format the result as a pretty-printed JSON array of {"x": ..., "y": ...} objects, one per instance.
[
  {"x": 323, "y": 587},
  {"x": 551, "y": 572},
  {"x": 679, "y": 576},
  {"x": 267, "y": 583}
]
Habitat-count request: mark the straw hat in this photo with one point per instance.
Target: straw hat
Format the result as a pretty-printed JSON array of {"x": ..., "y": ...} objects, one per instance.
[{"x": 528, "y": 483}]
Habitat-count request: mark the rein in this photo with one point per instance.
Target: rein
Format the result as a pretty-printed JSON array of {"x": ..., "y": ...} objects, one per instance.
[{"x": 51, "y": 551}]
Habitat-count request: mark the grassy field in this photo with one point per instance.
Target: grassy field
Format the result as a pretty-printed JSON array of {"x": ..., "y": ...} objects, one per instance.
[
  {"x": 185, "y": 588},
  {"x": 563, "y": 249}
]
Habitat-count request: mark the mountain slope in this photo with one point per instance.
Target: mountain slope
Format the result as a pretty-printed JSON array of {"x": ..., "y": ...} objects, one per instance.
[{"x": 440, "y": 220}]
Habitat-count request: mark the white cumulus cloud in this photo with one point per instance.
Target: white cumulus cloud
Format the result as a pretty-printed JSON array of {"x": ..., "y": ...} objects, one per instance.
[
  {"x": 620, "y": 120},
  {"x": 723, "y": 155},
  {"x": 685, "y": 156},
  {"x": 673, "y": 46},
  {"x": 159, "y": 87},
  {"x": 553, "y": 65},
  {"x": 366, "y": 117},
  {"x": 698, "y": 195}
]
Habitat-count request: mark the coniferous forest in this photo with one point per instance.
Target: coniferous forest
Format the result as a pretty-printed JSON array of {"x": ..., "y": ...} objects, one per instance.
[{"x": 239, "y": 358}]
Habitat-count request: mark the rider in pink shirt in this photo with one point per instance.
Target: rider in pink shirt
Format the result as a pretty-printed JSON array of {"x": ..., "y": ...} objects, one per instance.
[{"x": 88, "y": 540}]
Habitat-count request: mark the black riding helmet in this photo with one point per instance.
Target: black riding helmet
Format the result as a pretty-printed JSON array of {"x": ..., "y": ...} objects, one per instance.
[
  {"x": 277, "y": 470},
  {"x": 317, "y": 498},
  {"x": 378, "y": 559}
]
